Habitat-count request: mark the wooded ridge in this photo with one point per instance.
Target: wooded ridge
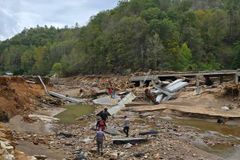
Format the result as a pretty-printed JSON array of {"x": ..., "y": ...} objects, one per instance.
[{"x": 137, "y": 35}]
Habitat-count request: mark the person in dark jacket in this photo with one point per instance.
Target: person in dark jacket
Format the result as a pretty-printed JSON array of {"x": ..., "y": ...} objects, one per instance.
[
  {"x": 104, "y": 114},
  {"x": 126, "y": 126}
]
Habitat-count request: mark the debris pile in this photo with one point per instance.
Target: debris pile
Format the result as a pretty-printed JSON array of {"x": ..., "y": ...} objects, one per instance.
[
  {"x": 150, "y": 136},
  {"x": 60, "y": 96},
  {"x": 159, "y": 93},
  {"x": 231, "y": 89},
  {"x": 92, "y": 86}
]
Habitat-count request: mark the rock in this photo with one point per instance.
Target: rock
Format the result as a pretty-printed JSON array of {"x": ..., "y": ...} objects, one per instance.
[
  {"x": 114, "y": 155},
  {"x": 8, "y": 157},
  {"x": 157, "y": 156},
  {"x": 138, "y": 155},
  {"x": 7, "y": 150},
  {"x": 35, "y": 141},
  {"x": 31, "y": 158},
  {"x": 65, "y": 134},
  {"x": 129, "y": 145},
  {"x": 225, "y": 108},
  {"x": 93, "y": 150},
  {"x": 68, "y": 143},
  {"x": 40, "y": 157},
  {"x": 87, "y": 140},
  {"x": 80, "y": 155}
]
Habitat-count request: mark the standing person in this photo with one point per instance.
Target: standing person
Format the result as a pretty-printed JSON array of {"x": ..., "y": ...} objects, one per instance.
[
  {"x": 100, "y": 137},
  {"x": 113, "y": 95},
  {"x": 110, "y": 91},
  {"x": 104, "y": 114},
  {"x": 101, "y": 125},
  {"x": 126, "y": 126}
]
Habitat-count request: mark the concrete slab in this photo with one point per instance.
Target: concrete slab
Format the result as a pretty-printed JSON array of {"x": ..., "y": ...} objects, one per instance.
[
  {"x": 107, "y": 100},
  {"x": 127, "y": 99}
]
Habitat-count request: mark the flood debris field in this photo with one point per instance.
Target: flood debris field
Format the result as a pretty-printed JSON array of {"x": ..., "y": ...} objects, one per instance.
[{"x": 169, "y": 119}]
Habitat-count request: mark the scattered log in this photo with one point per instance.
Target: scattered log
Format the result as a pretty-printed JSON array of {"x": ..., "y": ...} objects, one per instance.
[
  {"x": 151, "y": 132},
  {"x": 129, "y": 140},
  {"x": 61, "y": 96}
]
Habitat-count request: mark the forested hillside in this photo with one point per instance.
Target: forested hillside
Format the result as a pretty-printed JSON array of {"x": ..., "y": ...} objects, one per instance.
[{"x": 136, "y": 35}]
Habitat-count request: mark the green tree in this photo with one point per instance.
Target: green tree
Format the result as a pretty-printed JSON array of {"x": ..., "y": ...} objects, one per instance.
[
  {"x": 57, "y": 69},
  {"x": 155, "y": 56},
  {"x": 27, "y": 61},
  {"x": 152, "y": 13},
  {"x": 236, "y": 60},
  {"x": 184, "y": 58}
]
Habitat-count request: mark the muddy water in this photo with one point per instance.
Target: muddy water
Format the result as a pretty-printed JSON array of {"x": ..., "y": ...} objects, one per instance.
[
  {"x": 211, "y": 128},
  {"x": 210, "y": 125},
  {"x": 73, "y": 112}
]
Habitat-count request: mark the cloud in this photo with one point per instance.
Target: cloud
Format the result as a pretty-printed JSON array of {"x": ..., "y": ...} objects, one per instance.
[{"x": 17, "y": 14}]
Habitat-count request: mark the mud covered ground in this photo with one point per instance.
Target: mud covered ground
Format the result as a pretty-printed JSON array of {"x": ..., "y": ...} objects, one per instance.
[{"x": 175, "y": 139}]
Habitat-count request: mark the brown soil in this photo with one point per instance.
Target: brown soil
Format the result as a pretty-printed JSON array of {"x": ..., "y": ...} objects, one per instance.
[
  {"x": 117, "y": 82},
  {"x": 17, "y": 96},
  {"x": 91, "y": 85}
]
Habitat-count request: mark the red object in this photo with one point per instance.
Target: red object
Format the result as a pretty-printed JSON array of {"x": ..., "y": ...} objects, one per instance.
[{"x": 110, "y": 91}]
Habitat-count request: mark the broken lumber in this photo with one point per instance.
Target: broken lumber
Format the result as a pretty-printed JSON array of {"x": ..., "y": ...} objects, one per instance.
[
  {"x": 44, "y": 86},
  {"x": 61, "y": 96},
  {"x": 129, "y": 140},
  {"x": 136, "y": 104}
]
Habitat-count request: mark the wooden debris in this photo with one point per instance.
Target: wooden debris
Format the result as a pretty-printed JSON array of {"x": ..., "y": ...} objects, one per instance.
[{"x": 129, "y": 140}]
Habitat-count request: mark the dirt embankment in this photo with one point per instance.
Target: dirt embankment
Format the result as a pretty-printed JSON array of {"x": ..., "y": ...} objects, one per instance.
[
  {"x": 91, "y": 86},
  {"x": 17, "y": 96}
]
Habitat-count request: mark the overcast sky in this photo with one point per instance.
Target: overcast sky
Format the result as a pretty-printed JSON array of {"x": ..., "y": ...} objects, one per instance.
[{"x": 17, "y": 14}]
